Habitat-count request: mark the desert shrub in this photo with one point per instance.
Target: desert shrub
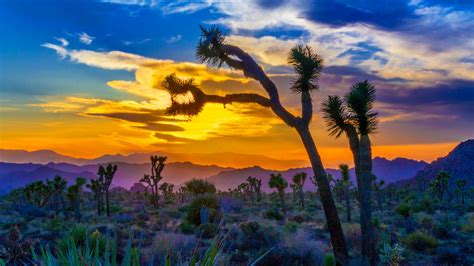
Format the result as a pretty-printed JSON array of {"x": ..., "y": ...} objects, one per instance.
[
  {"x": 274, "y": 214},
  {"x": 206, "y": 231},
  {"x": 296, "y": 249},
  {"x": 404, "y": 210},
  {"x": 291, "y": 227},
  {"x": 123, "y": 218},
  {"x": 186, "y": 228},
  {"x": 178, "y": 247},
  {"x": 420, "y": 242},
  {"x": 391, "y": 255},
  {"x": 446, "y": 224},
  {"x": 329, "y": 260},
  {"x": 468, "y": 226},
  {"x": 253, "y": 237},
  {"x": 80, "y": 238},
  {"x": 194, "y": 209},
  {"x": 352, "y": 235},
  {"x": 229, "y": 204},
  {"x": 55, "y": 225},
  {"x": 297, "y": 218},
  {"x": 449, "y": 255}
]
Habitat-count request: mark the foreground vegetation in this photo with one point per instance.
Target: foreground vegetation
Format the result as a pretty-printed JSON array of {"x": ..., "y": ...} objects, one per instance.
[{"x": 50, "y": 223}]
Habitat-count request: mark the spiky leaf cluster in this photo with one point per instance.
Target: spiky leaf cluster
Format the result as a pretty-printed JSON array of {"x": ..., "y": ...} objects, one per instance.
[
  {"x": 308, "y": 66},
  {"x": 360, "y": 101},
  {"x": 356, "y": 109},
  {"x": 209, "y": 49},
  {"x": 335, "y": 115},
  {"x": 176, "y": 87}
]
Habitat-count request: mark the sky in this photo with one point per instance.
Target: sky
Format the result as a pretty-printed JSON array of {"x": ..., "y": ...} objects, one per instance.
[{"x": 83, "y": 78}]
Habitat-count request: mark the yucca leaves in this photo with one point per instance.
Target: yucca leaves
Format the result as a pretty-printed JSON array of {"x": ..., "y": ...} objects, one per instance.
[
  {"x": 355, "y": 109},
  {"x": 308, "y": 66},
  {"x": 360, "y": 101},
  {"x": 209, "y": 49},
  {"x": 335, "y": 115}
]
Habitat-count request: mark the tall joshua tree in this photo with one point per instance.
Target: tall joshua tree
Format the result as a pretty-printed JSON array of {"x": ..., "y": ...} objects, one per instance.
[
  {"x": 299, "y": 180},
  {"x": 277, "y": 181},
  {"x": 59, "y": 184},
  {"x": 461, "y": 184},
  {"x": 106, "y": 175},
  {"x": 152, "y": 181},
  {"x": 214, "y": 50},
  {"x": 252, "y": 183},
  {"x": 96, "y": 188},
  {"x": 439, "y": 184},
  {"x": 355, "y": 117},
  {"x": 346, "y": 183}
]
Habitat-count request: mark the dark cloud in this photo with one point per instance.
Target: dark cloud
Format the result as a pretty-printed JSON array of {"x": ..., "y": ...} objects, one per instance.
[
  {"x": 454, "y": 92},
  {"x": 357, "y": 73},
  {"x": 386, "y": 14},
  {"x": 171, "y": 138},
  {"x": 161, "y": 127},
  {"x": 148, "y": 119}
]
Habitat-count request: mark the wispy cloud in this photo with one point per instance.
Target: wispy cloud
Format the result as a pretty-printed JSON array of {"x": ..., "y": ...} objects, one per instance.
[
  {"x": 174, "y": 39},
  {"x": 63, "y": 41},
  {"x": 136, "y": 42},
  {"x": 85, "y": 38}
]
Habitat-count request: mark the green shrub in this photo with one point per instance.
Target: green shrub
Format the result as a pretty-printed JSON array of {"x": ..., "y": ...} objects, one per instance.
[
  {"x": 420, "y": 242},
  {"x": 329, "y": 260},
  {"x": 194, "y": 209},
  {"x": 207, "y": 231},
  {"x": 186, "y": 228},
  {"x": 404, "y": 210},
  {"x": 274, "y": 214}
]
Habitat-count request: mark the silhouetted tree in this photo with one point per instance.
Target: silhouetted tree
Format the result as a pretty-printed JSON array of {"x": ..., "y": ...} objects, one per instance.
[
  {"x": 299, "y": 180},
  {"x": 461, "y": 184},
  {"x": 355, "y": 117},
  {"x": 59, "y": 184},
  {"x": 106, "y": 175},
  {"x": 213, "y": 50},
  {"x": 74, "y": 195},
  {"x": 152, "y": 181},
  {"x": 346, "y": 184},
  {"x": 166, "y": 190},
  {"x": 439, "y": 185},
  {"x": 96, "y": 187},
  {"x": 277, "y": 181}
]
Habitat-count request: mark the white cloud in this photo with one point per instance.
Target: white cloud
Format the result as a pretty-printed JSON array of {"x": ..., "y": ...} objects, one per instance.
[
  {"x": 60, "y": 50},
  {"x": 174, "y": 39},
  {"x": 63, "y": 41},
  {"x": 85, "y": 38}
]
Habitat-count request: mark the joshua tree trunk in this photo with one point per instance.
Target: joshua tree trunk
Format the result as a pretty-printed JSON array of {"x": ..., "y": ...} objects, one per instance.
[
  {"x": 348, "y": 203},
  {"x": 332, "y": 217},
  {"x": 107, "y": 202},
  {"x": 281, "y": 193},
  {"x": 369, "y": 255},
  {"x": 302, "y": 197}
]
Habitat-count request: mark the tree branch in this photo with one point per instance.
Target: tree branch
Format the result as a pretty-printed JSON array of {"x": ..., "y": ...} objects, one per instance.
[{"x": 253, "y": 70}]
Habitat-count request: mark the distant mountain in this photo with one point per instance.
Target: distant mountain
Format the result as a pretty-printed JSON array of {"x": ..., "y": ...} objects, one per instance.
[
  {"x": 13, "y": 175},
  {"x": 388, "y": 170},
  {"x": 459, "y": 163},
  {"x": 224, "y": 158},
  {"x": 16, "y": 175}
]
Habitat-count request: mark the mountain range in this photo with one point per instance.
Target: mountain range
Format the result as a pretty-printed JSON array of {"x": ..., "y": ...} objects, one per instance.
[{"x": 22, "y": 167}]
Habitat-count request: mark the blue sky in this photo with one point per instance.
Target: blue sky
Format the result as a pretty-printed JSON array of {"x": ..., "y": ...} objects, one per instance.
[{"x": 93, "y": 61}]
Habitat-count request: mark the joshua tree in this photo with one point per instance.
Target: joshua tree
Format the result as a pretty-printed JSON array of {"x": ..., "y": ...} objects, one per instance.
[
  {"x": 96, "y": 187},
  {"x": 214, "y": 50},
  {"x": 244, "y": 189},
  {"x": 277, "y": 181},
  {"x": 378, "y": 191},
  {"x": 439, "y": 185},
  {"x": 346, "y": 184},
  {"x": 74, "y": 195},
  {"x": 151, "y": 181},
  {"x": 461, "y": 184},
  {"x": 39, "y": 193},
  {"x": 355, "y": 117},
  {"x": 59, "y": 184},
  {"x": 253, "y": 187},
  {"x": 106, "y": 175},
  {"x": 298, "y": 181},
  {"x": 200, "y": 187}
]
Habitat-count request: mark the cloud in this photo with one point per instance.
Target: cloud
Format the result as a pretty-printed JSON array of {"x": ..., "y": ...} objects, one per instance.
[
  {"x": 127, "y": 43},
  {"x": 63, "y": 41},
  {"x": 174, "y": 39},
  {"x": 85, "y": 38}
]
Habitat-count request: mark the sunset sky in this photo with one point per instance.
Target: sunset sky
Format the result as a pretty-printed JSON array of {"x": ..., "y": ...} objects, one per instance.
[{"x": 83, "y": 78}]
